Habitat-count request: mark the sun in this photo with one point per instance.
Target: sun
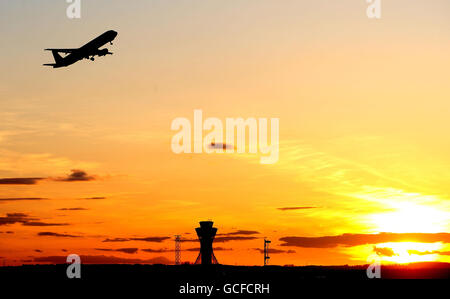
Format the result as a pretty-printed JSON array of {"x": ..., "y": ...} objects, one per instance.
[
  {"x": 399, "y": 252},
  {"x": 411, "y": 252},
  {"x": 410, "y": 218},
  {"x": 406, "y": 217}
]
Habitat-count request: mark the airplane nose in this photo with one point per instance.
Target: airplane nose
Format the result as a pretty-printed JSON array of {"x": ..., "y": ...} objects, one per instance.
[{"x": 111, "y": 34}]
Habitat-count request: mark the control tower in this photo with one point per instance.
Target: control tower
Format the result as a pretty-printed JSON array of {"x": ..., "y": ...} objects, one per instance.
[{"x": 206, "y": 233}]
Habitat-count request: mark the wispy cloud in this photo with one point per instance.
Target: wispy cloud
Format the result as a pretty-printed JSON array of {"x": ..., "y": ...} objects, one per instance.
[
  {"x": 116, "y": 240},
  {"x": 59, "y": 235},
  {"x": 38, "y": 223},
  {"x": 195, "y": 249},
  {"x": 124, "y": 250},
  {"x": 275, "y": 251},
  {"x": 233, "y": 238},
  {"x": 150, "y": 239},
  {"x": 20, "y": 181},
  {"x": 417, "y": 252},
  {"x": 11, "y": 161},
  {"x": 76, "y": 176},
  {"x": 240, "y": 232},
  {"x": 101, "y": 259},
  {"x": 21, "y": 199},
  {"x": 144, "y": 239},
  {"x": 159, "y": 250},
  {"x": 26, "y": 220},
  {"x": 12, "y": 218},
  {"x": 295, "y": 208},
  {"x": 223, "y": 239},
  {"x": 350, "y": 240}
]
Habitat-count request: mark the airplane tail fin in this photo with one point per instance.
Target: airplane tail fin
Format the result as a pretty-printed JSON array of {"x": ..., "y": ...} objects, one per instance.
[{"x": 58, "y": 58}]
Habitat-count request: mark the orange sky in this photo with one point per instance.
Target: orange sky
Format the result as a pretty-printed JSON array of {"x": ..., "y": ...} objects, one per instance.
[{"x": 363, "y": 108}]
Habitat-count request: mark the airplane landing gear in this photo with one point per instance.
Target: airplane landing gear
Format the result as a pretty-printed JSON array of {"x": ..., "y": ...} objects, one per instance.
[{"x": 92, "y": 58}]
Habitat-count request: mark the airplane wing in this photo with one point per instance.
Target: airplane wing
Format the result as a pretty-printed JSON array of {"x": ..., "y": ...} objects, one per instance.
[{"x": 67, "y": 51}]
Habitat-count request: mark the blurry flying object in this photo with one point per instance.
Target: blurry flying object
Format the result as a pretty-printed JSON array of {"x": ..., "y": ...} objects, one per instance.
[
  {"x": 223, "y": 146},
  {"x": 88, "y": 51}
]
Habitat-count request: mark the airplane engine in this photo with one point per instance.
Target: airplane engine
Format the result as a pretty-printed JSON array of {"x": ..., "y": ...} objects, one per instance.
[{"x": 103, "y": 52}]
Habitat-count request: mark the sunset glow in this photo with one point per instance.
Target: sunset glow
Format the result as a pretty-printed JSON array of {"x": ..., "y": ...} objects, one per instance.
[
  {"x": 409, "y": 217},
  {"x": 87, "y": 164}
]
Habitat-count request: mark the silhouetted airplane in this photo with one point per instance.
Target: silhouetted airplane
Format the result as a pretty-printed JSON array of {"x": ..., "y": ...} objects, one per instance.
[{"x": 88, "y": 51}]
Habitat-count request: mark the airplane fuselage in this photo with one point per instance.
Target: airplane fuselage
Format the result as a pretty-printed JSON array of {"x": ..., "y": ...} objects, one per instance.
[{"x": 88, "y": 50}]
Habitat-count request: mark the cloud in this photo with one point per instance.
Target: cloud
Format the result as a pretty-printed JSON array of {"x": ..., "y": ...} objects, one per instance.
[
  {"x": 222, "y": 239},
  {"x": 38, "y": 223},
  {"x": 72, "y": 209},
  {"x": 7, "y": 232},
  {"x": 160, "y": 250},
  {"x": 52, "y": 234},
  {"x": 146, "y": 239},
  {"x": 150, "y": 239},
  {"x": 240, "y": 232},
  {"x": 214, "y": 249},
  {"x": 26, "y": 220},
  {"x": 124, "y": 250},
  {"x": 428, "y": 252},
  {"x": 38, "y": 250},
  {"x": 295, "y": 208},
  {"x": 76, "y": 176},
  {"x": 11, "y": 161},
  {"x": 12, "y": 218},
  {"x": 21, "y": 198},
  {"x": 274, "y": 250},
  {"x": 218, "y": 249},
  {"x": 363, "y": 239},
  {"x": 233, "y": 238},
  {"x": 116, "y": 240},
  {"x": 20, "y": 181},
  {"x": 384, "y": 251},
  {"x": 101, "y": 259},
  {"x": 196, "y": 249},
  {"x": 95, "y": 197}
]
